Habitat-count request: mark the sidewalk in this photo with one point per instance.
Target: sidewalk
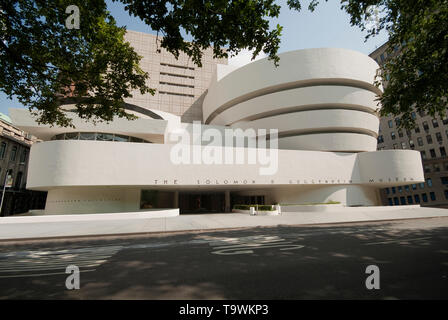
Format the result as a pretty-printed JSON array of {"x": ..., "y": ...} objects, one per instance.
[{"x": 68, "y": 226}]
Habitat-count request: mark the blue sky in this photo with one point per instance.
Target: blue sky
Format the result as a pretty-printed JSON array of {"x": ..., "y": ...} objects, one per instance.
[{"x": 327, "y": 26}]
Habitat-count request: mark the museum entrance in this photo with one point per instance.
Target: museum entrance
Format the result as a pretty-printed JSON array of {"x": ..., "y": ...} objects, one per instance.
[{"x": 209, "y": 202}]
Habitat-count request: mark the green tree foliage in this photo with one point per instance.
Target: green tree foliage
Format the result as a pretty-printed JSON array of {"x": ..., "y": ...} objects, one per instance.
[
  {"x": 234, "y": 24},
  {"x": 41, "y": 58},
  {"x": 417, "y": 77}
]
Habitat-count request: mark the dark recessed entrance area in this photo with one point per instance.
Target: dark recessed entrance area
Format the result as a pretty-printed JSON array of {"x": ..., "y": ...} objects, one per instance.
[{"x": 210, "y": 202}]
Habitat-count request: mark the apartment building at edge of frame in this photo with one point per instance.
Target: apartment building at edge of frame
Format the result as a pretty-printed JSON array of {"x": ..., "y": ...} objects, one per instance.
[
  {"x": 429, "y": 137},
  {"x": 15, "y": 147}
]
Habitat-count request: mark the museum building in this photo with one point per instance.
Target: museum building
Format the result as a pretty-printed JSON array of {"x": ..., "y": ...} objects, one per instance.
[{"x": 320, "y": 105}]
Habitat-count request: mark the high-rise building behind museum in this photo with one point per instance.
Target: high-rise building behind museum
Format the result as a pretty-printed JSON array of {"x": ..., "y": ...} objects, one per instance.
[
  {"x": 180, "y": 84},
  {"x": 429, "y": 137}
]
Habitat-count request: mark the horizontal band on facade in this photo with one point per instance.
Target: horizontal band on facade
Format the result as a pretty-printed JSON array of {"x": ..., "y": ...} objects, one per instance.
[
  {"x": 127, "y": 106},
  {"x": 304, "y": 132},
  {"x": 309, "y": 107},
  {"x": 293, "y": 85}
]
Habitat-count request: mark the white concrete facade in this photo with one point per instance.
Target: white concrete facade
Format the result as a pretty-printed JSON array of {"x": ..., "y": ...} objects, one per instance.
[{"x": 321, "y": 101}]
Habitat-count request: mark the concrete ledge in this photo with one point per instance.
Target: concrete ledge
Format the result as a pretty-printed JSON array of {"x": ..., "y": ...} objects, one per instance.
[
  {"x": 144, "y": 214},
  {"x": 15, "y": 228},
  {"x": 340, "y": 207}
]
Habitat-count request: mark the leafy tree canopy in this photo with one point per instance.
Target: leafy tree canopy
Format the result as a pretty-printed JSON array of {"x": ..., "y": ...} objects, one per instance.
[
  {"x": 41, "y": 59},
  {"x": 417, "y": 77}
]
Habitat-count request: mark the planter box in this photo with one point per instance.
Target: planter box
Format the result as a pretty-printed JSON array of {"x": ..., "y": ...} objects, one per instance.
[{"x": 258, "y": 213}]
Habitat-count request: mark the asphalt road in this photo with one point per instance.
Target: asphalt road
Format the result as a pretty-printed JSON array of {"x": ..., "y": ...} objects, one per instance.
[{"x": 291, "y": 262}]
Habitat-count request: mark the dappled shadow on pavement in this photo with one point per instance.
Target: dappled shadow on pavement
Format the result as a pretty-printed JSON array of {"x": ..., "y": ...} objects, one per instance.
[{"x": 330, "y": 265}]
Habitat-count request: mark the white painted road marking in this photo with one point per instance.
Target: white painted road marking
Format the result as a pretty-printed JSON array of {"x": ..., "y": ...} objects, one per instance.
[
  {"x": 246, "y": 245},
  {"x": 22, "y": 263},
  {"x": 397, "y": 240}
]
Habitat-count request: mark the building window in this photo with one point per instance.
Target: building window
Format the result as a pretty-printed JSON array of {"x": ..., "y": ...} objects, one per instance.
[
  {"x": 13, "y": 153},
  {"x": 403, "y": 145},
  {"x": 397, "y": 121},
  {"x": 442, "y": 151},
  {"x": 406, "y": 188},
  {"x": 432, "y": 195},
  {"x": 87, "y": 136},
  {"x": 432, "y": 152},
  {"x": 429, "y": 139},
  {"x": 445, "y": 166},
  {"x": 422, "y": 185},
  {"x": 411, "y": 144},
  {"x": 420, "y": 141},
  {"x": 23, "y": 156},
  {"x": 425, "y": 126},
  {"x": 439, "y": 137},
  {"x": 176, "y": 84},
  {"x": 444, "y": 180},
  {"x": 177, "y": 94},
  {"x": 402, "y": 200},
  {"x": 395, "y": 146},
  {"x": 422, "y": 113},
  {"x": 446, "y": 194},
  {"x": 393, "y": 190},
  {"x": 426, "y": 168},
  {"x": 98, "y": 136},
  {"x": 417, "y": 198},
  {"x": 414, "y": 187},
  {"x": 72, "y": 136},
  {"x": 413, "y": 115},
  {"x": 176, "y": 66},
  {"x": 410, "y": 200},
  {"x": 424, "y": 197},
  {"x": 423, "y": 154},
  {"x": 400, "y": 133},
  {"x": 436, "y": 167},
  {"x": 392, "y": 135},
  {"x": 121, "y": 138},
  {"x": 104, "y": 137},
  {"x": 390, "y": 201},
  {"x": 18, "y": 180},
  {"x": 396, "y": 201},
  {"x": 176, "y": 75},
  {"x": 390, "y": 124},
  {"x": 380, "y": 139},
  {"x": 445, "y": 121},
  {"x": 387, "y": 190},
  {"x": 3, "y": 150},
  {"x": 400, "y": 189},
  {"x": 435, "y": 123},
  {"x": 429, "y": 182}
]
